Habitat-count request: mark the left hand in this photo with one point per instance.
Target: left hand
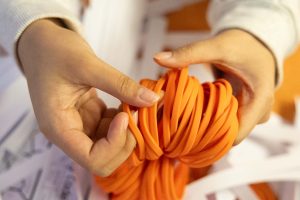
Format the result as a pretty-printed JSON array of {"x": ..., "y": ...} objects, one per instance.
[
  {"x": 63, "y": 73},
  {"x": 244, "y": 61}
]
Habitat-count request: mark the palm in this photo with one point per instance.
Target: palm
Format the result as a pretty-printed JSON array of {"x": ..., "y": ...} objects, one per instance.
[
  {"x": 61, "y": 77},
  {"x": 88, "y": 115}
]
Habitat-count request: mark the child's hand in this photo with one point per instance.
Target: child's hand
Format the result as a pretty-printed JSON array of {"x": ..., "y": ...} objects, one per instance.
[
  {"x": 62, "y": 73},
  {"x": 244, "y": 61}
]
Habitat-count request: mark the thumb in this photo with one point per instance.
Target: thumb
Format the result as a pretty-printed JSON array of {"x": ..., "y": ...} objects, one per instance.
[
  {"x": 199, "y": 52},
  {"x": 108, "y": 79}
]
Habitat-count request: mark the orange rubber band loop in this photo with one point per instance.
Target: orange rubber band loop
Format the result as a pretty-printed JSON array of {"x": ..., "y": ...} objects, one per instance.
[{"x": 196, "y": 125}]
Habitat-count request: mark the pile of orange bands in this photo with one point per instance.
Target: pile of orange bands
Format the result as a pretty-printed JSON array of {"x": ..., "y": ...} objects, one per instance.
[{"x": 192, "y": 127}]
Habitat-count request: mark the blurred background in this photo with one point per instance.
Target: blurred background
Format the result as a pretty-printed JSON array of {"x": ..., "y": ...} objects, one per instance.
[
  {"x": 147, "y": 28},
  {"x": 127, "y": 34}
]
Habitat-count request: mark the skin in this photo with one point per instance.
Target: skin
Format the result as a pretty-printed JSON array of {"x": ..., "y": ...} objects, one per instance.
[
  {"x": 63, "y": 73},
  {"x": 243, "y": 60}
]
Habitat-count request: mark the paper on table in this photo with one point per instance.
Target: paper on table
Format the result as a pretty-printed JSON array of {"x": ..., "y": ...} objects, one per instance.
[
  {"x": 14, "y": 103},
  {"x": 285, "y": 167},
  {"x": 8, "y": 71},
  {"x": 57, "y": 180},
  {"x": 30, "y": 168},
  {"x": 242, "y": 192},
  {"x": 44, "y": 176},
  {"x": 18, "y": 172},
  {"x": 280, "y": 165},
  {"x": 276, "y": 130},
  {"x": 96, "y": 193},
  {"x": 20, "y": 134}
]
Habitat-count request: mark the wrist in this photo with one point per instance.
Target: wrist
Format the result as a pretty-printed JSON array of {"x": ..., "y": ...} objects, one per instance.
[
  {"x": 248, "y": 49},
  {"x": 33, "y": 37}
]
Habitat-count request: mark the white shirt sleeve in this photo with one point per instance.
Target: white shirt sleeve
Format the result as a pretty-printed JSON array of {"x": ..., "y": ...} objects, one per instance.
[
  {"x": 16, "y": 15},
  {"x": 275, "y": 22}
]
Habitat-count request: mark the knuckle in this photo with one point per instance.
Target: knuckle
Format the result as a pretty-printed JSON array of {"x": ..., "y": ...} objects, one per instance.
[
  {"x": 43, "y": 129},
  {"x": 267, "y": 107},
  {"x": 120, "y": 145},
  {"x": 91, "y": 167},
  {"x": 104, "y": 172},
  {"x": 265, "y": 118},
  {"x": 129, "y": 145},
  {"x": 124, "y": 84},
  {"x": 270, "y": 98},
  {"x": 99, "y": 169},
  {"x": 223, "y": 52},
  {"x": 185, "y": 52},
  {"x": 128, "y": 148},
  {"x": 237, "y": 141},
  {"x": 120, "y": 142}
]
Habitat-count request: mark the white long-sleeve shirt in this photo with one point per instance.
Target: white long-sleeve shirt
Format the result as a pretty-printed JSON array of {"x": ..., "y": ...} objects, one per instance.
[
  {"x": 17, "y": 15},
  {"x": 275, "y": 22}
]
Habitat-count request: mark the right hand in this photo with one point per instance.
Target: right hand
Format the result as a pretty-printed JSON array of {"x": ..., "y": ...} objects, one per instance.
[
  {"x": 62, "y": 73},
  {"x": 244, "y": 61}
]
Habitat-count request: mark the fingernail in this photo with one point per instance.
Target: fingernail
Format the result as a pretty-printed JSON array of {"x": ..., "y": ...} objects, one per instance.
[
  {"x": 125, "y": 123},
  {"x": 147, "y": 95},
  {"x": 161, "y": 95},
  {"x": 135, "y": 116},
  {"x": 163, "y": 55}
]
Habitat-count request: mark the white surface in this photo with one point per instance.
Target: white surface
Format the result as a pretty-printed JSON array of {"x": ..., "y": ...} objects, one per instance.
[
  {"x": 113, "y": 29},
  {"x": 161, "y": 7},
  {"x": 153, "y": 43},
  {"x": 8, "y": 72},
  {"x": 14, "y": 103},
  {"x": 177, "y": 39},
  {"x": 39, "y": 171},
  {"x": 297, "y": 117}
]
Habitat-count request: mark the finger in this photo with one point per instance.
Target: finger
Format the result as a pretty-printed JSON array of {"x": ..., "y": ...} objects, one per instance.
[
  {"x": 253, "y": 113},
  {"x": 110, "y": 112},
  {"x": 265, "y": 117},
  {"x": 268, "y": 107},
  {"x": 115, "y": 138},
  {"x": 91, "y": 111},
  {"x": 102, "y": 128},
  {"x": 129, "y": 146},
  {"x": 199, "y": 52},
  {"x": 122, "y": 156},
  {"x": 110, "y": 80},
  {"x": 120, "y": 144},
  {"x": 135, "y": 116},
  {"x": 255, "y": 103},
  {"x": 94, "y": 155},
  {"x": 105, "y": 121},
  {"x": 125, "y": 152}
]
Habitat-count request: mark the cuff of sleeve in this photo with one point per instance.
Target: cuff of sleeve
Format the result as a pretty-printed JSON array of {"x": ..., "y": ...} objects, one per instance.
[
  {"x": 16, "y": 16},
  {"x": 274, "y": 29}
]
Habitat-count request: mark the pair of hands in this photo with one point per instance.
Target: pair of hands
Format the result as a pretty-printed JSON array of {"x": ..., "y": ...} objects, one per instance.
[{"x": 62, "y": 73}]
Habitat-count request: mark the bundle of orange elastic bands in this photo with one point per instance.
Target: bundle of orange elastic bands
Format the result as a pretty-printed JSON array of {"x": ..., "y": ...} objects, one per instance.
[{"x": 193, "y": 126}]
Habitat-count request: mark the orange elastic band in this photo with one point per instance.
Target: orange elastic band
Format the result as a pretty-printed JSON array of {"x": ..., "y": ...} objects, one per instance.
[{"x": 194, "y": 126}]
